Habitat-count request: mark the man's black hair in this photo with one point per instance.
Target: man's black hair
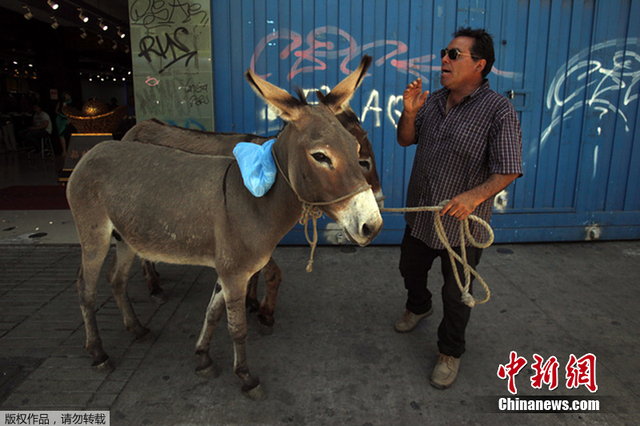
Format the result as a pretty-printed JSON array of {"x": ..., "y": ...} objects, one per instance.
[{"x": 482, "y": 47}]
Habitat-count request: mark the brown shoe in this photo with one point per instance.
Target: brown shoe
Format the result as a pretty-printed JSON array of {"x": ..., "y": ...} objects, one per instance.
[
  {"x": 445, "y": 372},
  {"x": 410, "y": 320}
]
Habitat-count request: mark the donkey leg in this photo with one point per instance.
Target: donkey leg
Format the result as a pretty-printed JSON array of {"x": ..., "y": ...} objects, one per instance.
[
  {"x": 205, "y": 367},
  {"x": 92, "y": 259},
  {"x": 252, "y": 293},
  {"x": 153, "y": 282},
  {"x": 125, "y": 257},
  {"x": 237, "y": 319},
  {"x": 273, "y": 278}
]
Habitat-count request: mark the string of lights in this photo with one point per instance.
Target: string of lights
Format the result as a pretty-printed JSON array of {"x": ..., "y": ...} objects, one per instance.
[
  {"x": 24, "y": 69},
  {"x": 78, "y": 13},
  {"x": 93, "y": 28}
]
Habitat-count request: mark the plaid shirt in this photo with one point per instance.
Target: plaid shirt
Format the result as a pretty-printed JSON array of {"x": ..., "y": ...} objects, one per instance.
[{"x": 457, "y": 152}]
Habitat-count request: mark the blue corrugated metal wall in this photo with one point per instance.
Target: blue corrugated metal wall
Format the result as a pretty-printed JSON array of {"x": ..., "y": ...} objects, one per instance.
[{"x": 572, "y": 67}]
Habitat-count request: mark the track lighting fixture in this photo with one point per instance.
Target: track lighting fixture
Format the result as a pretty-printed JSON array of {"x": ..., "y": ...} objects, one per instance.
[
  {"x": 100, "y": 40},
  {"x": 120, "y": 33},
  {"x": 115, "y": 45},
  {"x": 53, "y": 4},
  {"x": 102, "y": 25},
  {"x": 27, "y": 15},
  {"x": 54, "y": 24},
  {"x": 83, "y": 33},
  {"x": 84, "y": 18}
]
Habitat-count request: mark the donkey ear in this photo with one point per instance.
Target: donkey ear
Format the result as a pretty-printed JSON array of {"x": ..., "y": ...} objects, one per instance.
[
  {"x": 343, "y": 92},
  {"x": 286, "y": 106},
  {"x": 320, "y": 95}
]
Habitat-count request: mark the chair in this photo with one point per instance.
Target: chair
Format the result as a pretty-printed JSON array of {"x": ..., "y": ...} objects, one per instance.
[{"x": 48, "y": 150}]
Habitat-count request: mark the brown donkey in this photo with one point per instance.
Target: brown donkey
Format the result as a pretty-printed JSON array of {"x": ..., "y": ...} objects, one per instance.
[
  {"x": 211, "y": 143},
  {"x": 167, "y": 205}
]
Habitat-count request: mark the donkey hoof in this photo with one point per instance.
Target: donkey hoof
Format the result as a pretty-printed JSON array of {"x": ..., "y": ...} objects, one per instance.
[
  {"x": 257, "y": 393},
  {"x": 266, "y": 330},
  {"x": 266, "y": 324},
  {"x": 253, "y": 305},
  {"x": 105, "y": 366},
  {"x": 209, "y": 372},
  {"x": 159, "y": 298},
  {"x": 140, "y": 332}
]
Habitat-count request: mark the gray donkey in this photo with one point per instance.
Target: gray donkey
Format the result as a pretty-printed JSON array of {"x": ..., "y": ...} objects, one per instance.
[
  {"x": 167, "y": 205},
  {"x": 156, "y": 132}
]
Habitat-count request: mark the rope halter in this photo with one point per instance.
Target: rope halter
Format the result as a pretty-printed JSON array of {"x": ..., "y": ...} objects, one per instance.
[{"x": 310, "y": 210}]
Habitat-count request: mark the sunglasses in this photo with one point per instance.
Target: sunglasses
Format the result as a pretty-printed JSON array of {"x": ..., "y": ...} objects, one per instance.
[{"x": 454, "y": 53}]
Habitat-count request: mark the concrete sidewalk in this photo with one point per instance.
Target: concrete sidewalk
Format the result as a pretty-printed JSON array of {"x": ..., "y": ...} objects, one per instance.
[{"x": 334, "y": 358}]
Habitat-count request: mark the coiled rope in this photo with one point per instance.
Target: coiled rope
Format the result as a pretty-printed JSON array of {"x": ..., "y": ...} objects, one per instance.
[{"x": 467, "y": 298}]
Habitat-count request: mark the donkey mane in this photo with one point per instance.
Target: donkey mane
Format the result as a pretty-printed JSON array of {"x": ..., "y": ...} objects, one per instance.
[{"x": 301, "y": 96}]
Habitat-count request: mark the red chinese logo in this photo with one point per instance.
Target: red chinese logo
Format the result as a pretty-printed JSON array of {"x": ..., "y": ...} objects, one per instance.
[
  {"x": 546, "y": 373},
  {"x": 511, "y": 370},
  {"x": 582, "y": 371},
  {"x": 579, "y": 372}
]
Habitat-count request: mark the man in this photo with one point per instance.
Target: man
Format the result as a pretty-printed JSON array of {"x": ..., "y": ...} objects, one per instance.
[
  {"x": 41, "y": 127},
  {"x": 469, "y": 149}
]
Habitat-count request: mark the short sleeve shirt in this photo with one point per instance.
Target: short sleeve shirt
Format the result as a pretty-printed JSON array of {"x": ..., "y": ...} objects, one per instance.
[
  {"x": 458, "y": 151},
  {"x": 39, "y": 119}
]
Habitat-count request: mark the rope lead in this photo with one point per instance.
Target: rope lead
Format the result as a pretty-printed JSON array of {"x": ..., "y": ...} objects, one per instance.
[{"x": 467, "y": 298}]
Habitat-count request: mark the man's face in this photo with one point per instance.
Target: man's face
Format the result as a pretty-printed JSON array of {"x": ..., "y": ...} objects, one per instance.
[{"x": 463, "y": 71}]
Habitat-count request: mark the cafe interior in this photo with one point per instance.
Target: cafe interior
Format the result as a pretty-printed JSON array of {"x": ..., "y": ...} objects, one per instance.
[{"x": 49, "y": 49}]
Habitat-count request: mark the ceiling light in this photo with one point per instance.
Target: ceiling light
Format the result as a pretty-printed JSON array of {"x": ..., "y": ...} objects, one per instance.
[
  {"x": 84, "y": 18},
  {"x": 55, "y": 24},
  {"x": 120, "y": 33},
  {"x": 100, "y": 40},
  {"x": 27, "y": 15},
  {"x": 53, "y": 4},
  {"x": 83, "y": 33},
  {"x": 102, "y": 25}
]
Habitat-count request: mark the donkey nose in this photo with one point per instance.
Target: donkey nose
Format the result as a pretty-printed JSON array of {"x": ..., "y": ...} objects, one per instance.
[
  {"x": 366, "y": 232},
  {"x": 371, "y": 228}
]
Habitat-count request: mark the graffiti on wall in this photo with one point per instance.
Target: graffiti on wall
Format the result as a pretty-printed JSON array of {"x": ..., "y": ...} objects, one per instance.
[
  {"x": 172, "y": 67},
  {"x": 328, "y": 43},
  {"x": 332, "y": 43},
  {"x": 593, "y": 79}
]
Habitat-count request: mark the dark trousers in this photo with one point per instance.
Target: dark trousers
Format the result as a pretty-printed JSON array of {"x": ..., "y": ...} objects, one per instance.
[{"x": 416, "y": 259}]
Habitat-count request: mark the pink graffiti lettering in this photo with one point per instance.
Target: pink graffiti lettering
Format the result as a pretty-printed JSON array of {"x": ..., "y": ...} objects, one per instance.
[{"x": 322, "y": 44}]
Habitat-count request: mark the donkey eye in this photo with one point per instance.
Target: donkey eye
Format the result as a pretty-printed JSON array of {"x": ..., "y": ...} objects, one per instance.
[
  {"x": 366, "y": 165},
  {"x": 321, "y": 158}
]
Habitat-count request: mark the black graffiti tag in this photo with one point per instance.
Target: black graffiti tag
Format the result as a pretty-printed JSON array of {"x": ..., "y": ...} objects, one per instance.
[
  {"x": 174, "y": 50},
  {"x": 199, "y": 92},
  {"x": 160, "y": 13}
]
